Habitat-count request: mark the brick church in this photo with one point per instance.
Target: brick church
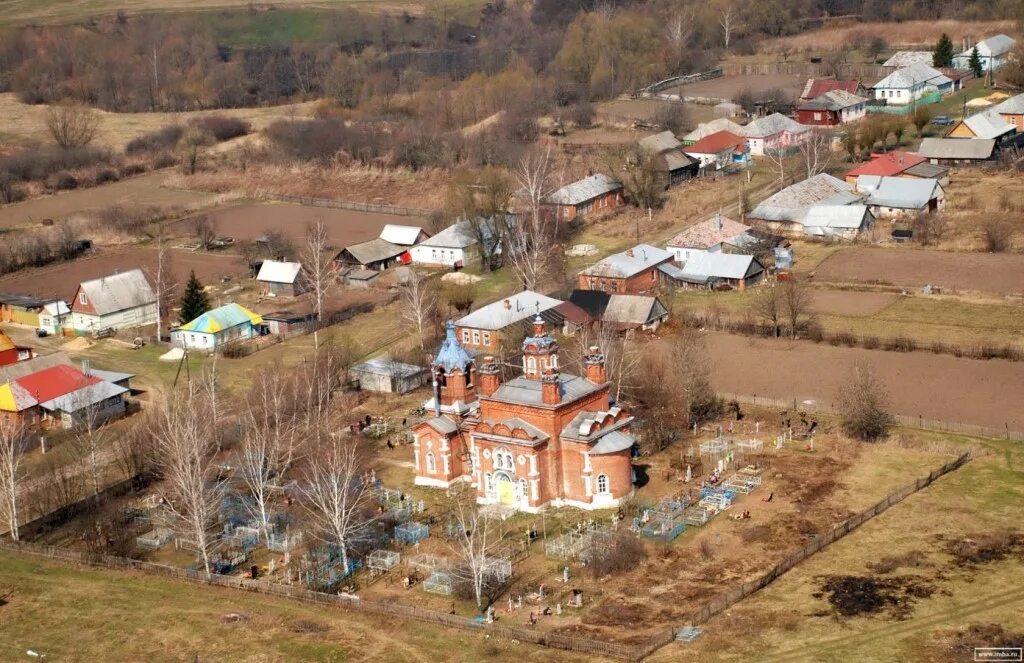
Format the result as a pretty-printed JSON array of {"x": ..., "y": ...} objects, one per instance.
[{"x": 544, "y": 438}]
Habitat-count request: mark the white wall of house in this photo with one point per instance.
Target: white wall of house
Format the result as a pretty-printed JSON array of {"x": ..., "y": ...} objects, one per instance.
[
  {"x": 900, "y": 96},
  {"x": 205, "y": 342},
  {"x": 682, "y": 254},
  {"x": 126, "y": 319},
  {"x": 853, "y": 113},
  {"x": 112, "y": 408},
  {"x": 432, "y": 255}
]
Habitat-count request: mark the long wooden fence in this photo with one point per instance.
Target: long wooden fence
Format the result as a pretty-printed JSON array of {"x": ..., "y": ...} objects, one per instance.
[
  {"x": 333, "y": 203},
  {"x": 977, "y": 430}
]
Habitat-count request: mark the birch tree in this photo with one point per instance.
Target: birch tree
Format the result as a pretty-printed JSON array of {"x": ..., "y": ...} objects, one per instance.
[
  {"x": 816, "y": 152},
  {"x": 471, "y": 543},
  {"x": 185, "y": 442},
  {"x": 336, "y": 495},
  {"x": 622, "y": 358},
  {"x": 419, "y": 302},
  {"x": 679, "y": 27},
  {"x": 531, "y": 240},
  {"x": 88, "y": 437},
  {"x": 162, "y": 285},
  {"x": 317, "y": 268},
  {"x": 13, "y": 441},
  {"x": 728, "y": 18}
]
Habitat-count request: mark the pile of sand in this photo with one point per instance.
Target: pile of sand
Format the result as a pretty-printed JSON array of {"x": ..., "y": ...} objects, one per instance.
[
  {"x": 175, "y": 354},
  {"x": 460, "y": 278},
  {"x": 77, "y": 344}
]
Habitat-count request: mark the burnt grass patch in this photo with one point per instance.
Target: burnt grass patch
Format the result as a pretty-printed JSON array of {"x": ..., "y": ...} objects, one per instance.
[
  {"x": 892, "y": 596},
  {"x": 959, "y": 645},
  {"x": 982, "y": 548}
]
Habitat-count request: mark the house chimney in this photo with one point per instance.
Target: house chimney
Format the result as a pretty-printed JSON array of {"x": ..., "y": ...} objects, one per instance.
[
  {"x": 551, "y": 393},
  {"x": 86, "y": 367},
  {"x": 719, "y": 218},
  {"x": 508, "y": 305},
  {"x": 629, "y": 252},
  {"x": 593, "y": 363},
  {"x": 490, "y": 380}
]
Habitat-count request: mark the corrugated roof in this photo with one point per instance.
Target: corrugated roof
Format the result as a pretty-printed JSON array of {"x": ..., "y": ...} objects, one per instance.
[
  {"x": 836, "y": 100},
  {"x": 111, "y": 376},
  {"x": 460, "y": 235},
  {"x": 221, "y": 318},
  {"x": 84, "y": 397},
  {"x": 902, "y": 59},
  {"x": 386, "y": 366},
  {"x": 1012, "y": 106},
  {"x": 717, "y": 265},
  {"x": 815, "y": 87},
  {"x": 56, "y": 308},
  {"x": 925, "y": 169},
  {"x": 791, "y": 203},
  {"x": 995, "y": 45},
  {"x": 401, "y": 235},
  {"x": 50, "y": 383},
  {"x": 773, "y": 124},
  {"x": 525, "y": 391},
  {"x": 897, "y": 192},
  {"x": 628, "y": 263},
  {"x": 633, "y": 310},
  {"x": 847, "y": 217},
  {"x": 14, "y": 398},
  {"x": 709, "y": 233},
  {"x": 890, "y": 163},
  {"x": 586, "y": 189},
  {"x": 957, "y": 148},
  {"x": 716, "y": 143},
  {"x": 659, "y": 143},
  {"x": 119, "y": 292},
  {"x": 671, "y": 160},
  {"x": 705, "y": 129},
  {"x": 273, "y": 271},
  {"x": 912, "y": 75},
  {"x": 374, "y": 250},
  {"x": 508, "y": 311},
  {"x": 988, "y": 125},
  {"x": 21, "y": 368}
]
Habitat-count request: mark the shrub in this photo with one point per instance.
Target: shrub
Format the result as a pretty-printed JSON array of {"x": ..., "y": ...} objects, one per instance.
[
  {"x": 842, "y": 338},
  {"x": 9, "y": 191},
  {"x": 164, "y": 160},
  {"x": 222, "y": 127},
  {"x": 871, "y": 343},
  {"x": 37, "y": 165},
  {"x": 65, "y": 181},
  {"x": 129, "y": 169},
  {"x": 864, "y": 405},
  {"x": 236, "y": 350},
  {"x": 997, "y": 235},
  {"x": 623, "y": 552},
  {"x": 582, "y": 114},
  {"x": 164, "y": 138},
  {"x": 814, "y": 332},
  {"x": 309, "y": 140},
  {"x": 674, "y": 118},
  {"x": 900, "y": 344},
  {"x": 104, "y": 175}
]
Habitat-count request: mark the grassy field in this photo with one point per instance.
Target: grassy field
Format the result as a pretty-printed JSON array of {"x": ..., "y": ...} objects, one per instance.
[
  {"x": 791, "y": 621},
  {"x": 73, "y": 614}
]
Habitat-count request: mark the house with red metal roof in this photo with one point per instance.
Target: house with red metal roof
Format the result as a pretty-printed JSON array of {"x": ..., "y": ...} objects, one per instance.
[
  {"x": 815, "y": 87},
  {"x": 64, "y": 396},
  {"x": 888, "y": 164},
  {"x": 719, "y": 149}
]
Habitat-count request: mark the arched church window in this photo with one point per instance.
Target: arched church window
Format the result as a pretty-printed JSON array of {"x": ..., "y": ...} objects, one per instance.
[{"x": 602, "y": 483}]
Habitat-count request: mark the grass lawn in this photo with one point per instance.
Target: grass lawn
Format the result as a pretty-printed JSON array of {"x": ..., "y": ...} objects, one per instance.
[
  {"x": 73, "y": 614},
  {"x": 789, "y": 621}
]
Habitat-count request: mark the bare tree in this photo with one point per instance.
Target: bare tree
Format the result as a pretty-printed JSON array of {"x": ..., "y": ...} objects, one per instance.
[
  {"x": 622, "y": 356},
  {"x": 317, "y": 269},
  {"x": 864, "y": 405},
  {"x": 204, "y": 231},
  {"x": 419, "y": 302},
  {"x": 161, "y": 277},
  {"x": 777, "y": 158},
  {"x": 816, "y": 151},
  {"x": 481, "y": 200},
  {"x": 997, "y": 235},
  {"x": 531, "y": 241},
  {"x": 797, "y": 301},
  {"x": 13, "y": 441},
  {"x": 72, "y": 126},
  {"x": 186, "y": 446},
  {"x": 133, "y": 450},
  {"x": 679, "y": 27},
  {"x": 769, "y": 307},
  {"x": 88, "y": 437},
  {"x": 337, "y": 496},
  {"x": 473, "y": 539},
  {"x": 728, "y": 18}
]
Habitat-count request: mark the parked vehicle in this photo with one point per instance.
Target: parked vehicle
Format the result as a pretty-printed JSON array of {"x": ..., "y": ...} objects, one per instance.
[{"x": 942, "y": 120}]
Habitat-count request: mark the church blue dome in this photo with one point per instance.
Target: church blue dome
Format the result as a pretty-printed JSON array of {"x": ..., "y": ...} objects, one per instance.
[{"x": 452, "y": 355}]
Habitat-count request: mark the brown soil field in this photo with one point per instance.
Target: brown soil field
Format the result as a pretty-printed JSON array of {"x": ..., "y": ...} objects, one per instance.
[
  {"x": 345, "y": 227},
  {"x": 987, "y": 272},
  {"x": 647, "y": 109},
  {"x": 850, "y": 303},
  {"x": 728, "y": 87},
  {"x": 142, "y": 191},
  {"x": 940, "y": 387},
  {"x": 907, "y": 32},
  {"x": 61, "y": 280}
]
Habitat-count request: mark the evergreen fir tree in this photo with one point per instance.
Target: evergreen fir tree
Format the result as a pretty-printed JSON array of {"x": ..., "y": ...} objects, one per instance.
[
  {"x": 942, "y": 56},
  {"x": 194, "y": 302},
  {"x": 975, "y": 63}
]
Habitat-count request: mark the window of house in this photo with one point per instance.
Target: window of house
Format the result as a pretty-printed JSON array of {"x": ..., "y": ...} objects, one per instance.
[
  {"x": 486, "y": 337},
  {"x": 602, "y": 483},
  {"x": 817, "y": 116},
  {"x": 531, "y": 364},
  {"x": 431, "y": 462},
  {"x": 522, "y": 488},
  {"x": 465, "y": 336},
  {"x": 487, "y": 482},
  {"x": 476, "y": 337},
  {"x": 82, "y": 298}
]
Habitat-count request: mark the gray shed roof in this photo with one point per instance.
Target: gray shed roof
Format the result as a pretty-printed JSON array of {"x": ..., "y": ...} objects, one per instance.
[
  {"x": 994, "y": 45},
  {"x": 988, "y": 125},
  {"x": 460, "y": 234},
  {"x": 846, "y": 217},
  {"x": 834, "y": 100},
  {"x": 22, "y": 368},
  {"x": 22, "y": 301},
  {"x": 926, "y": 169},
  {"x": 401, "y": 235},
  {"x": 1012, "y": 106},
  {"x": 586, "y": 189},
  {"x": 385, "y": 366},
  {"x": 792, "y": 203},
  {"x": 901, "y": 59},
  {"x": 912, "y": 75},
  {"x": 705, "y": 129},
  {"x": 628, "y": 263},
  {"x": 773, "y": 124},
  {"x": 633, "y": 310},
  {"x": 508, "y": 311},
  {"x": 374, "y": 250},
  {"x": 84, "y": 397},
  {"x": 442, "y": 425},
  {"x": 705, "y": 266},
  {"x": 659, "y": 143},
  {"x": 897, "y": 192},
  {"x": 273, "y": 271},
  {"x": 957, "y": 148},
  {"x": 525, "y": 391},
  {"x": 119, "y": 292}
]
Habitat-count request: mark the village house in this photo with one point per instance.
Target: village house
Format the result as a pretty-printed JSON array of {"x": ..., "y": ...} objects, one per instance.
[
  {"x": 901, "y": 59},
  {"x": 958, "y": 151},
  {"x": 11, "y": 353},
  {"x": 668, "y": 159},
  {"x": 216, "y": 328},
  {"x": 120, "y": 301},
  {"x": 909, "y": 84},
  {"x": 709, "y": 236},
  {"x": 375, "y": 255},
  {"x": 632, "y": 272},
  {"x": 400, "y": 235},
  {"x": 53, "y": 316},
  {"x": 1012, "y": 111},
  {"x": 286, "y": 323},
  {"x": 993, "y": 53},
  {"x": 845, "y": 222},
  {"x": 774, "y": 133},
  {"x": 620, "y": 312},
  {"x": 900, "y": 196},
  {"x": 545, "y": 438},
  {"x": 62, "y": 396},
  {"x": 705, "y": 129},
  {"x": 899, "y": 164},
  {"x": 783, "y": 211},
  {"x": 593, "y": 194},
  {"x": 384, "y": 375},
  {"x": 21, "y": 309},
  {"x": 718, "y": 270},
  {"x": 281, "y": 279},
  {"x": 832, "y": 109},
  {"x": 483, "y": 330},
  {"x": 984, "y": 125},
  {"x": 459, "y": 244},
  {"x": 720, "y": 149},
  {"x": 815, "y": 87}
]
